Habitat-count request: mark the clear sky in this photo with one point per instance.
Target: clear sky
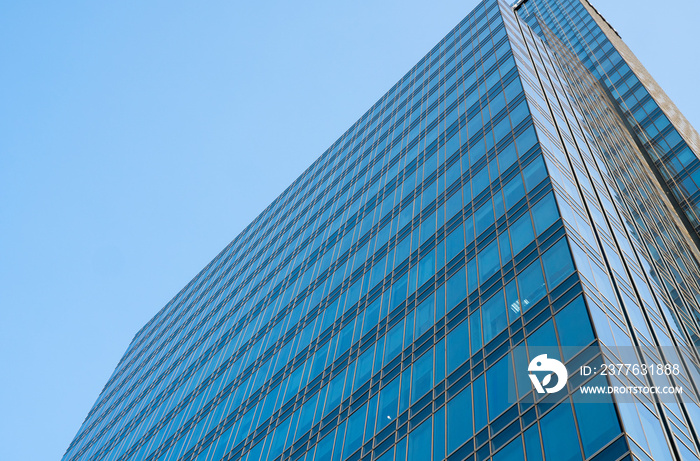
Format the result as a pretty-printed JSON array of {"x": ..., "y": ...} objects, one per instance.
[{"x": 138, "y": 138}]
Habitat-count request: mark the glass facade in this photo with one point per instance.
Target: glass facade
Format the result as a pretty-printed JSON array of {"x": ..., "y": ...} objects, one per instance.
[{"x": 495, "y": 211}]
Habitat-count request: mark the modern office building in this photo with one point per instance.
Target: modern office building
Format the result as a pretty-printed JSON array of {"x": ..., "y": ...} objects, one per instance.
[{"x": 525, "y": 197}]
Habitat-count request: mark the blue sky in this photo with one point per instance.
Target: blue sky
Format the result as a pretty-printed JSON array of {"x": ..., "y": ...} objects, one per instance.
[{"x": 138, "y": 138}]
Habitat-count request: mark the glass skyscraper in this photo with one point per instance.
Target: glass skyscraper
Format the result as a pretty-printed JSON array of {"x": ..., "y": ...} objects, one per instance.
[{"x": 499, "y": 260}]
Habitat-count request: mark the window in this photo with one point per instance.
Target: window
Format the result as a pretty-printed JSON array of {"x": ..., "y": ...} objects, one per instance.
[
  {"x": 356, "y": 425},
  {"x": 506, "y": 157},
  {"x": 422, "y": 379},
  {"x": 426, "y": 268},
  {"x": 483, "y": 217},
  {"x": 472, "y": 277},
  {"x": 526, "y": 140},
  {"x": 514, "y": 191},
  {"x": 455, "y": 289},
  {"x": 521, "y": 233},
  {"x": 455, "y": 242},
  {"x": 439, "y": 435},
  {"x": 480, "y": 181},
  {"x": 532, "y": 444},
  {"x": 544, "y": 341},
  {"x": 388, "y": 403},
  {"x": 457, "y": 346},
  {"x": 534, "y": 173},
  {"x": 488, "y": 260},
  {"x": 545, "y": 213},
  {"x": 398, "y": 291},
  {"x": 557, "y": 263},
  {"x": 559, "y": 434},
  {"x": 574, "y": 327},
  {"x": 500, "y": 384},
  {"x": 459, "y": 419},
  {"x": 494, "y": 316},
  {"x": 394, "y": 341},
  {"x": 531, "y": 283},
  {"x": 475, "y": 328},
  {"x": 425, "y": 315},
  {"x": 479, "y": 403},
  {"x": 597, "y": 420},
  {"x": 420, "y": 442},
  {"x": 512, "y": 452}
]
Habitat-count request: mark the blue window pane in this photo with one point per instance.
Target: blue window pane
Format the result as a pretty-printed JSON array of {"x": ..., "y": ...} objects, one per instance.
[
  {"x": 519, "y": 113},
  {"x": 655, "y": 435},
  {"x": 544, "y": 341},
  {"x": 457, "y": 346},
  {"x": 394, "y": 342},
  {"x": 512, "y": 302},
  {"x": 420, "y": 441},
  {"x": 574, "y": 327},
  {"x": 483, "y": 217},
  {"x": 514, "y": 191},
  {"x": 425, "y": 315},
  {"x": 504, "y": 243},
  {"x": 480, "y": 181},
  {"x": 597, "y": 420},
  {"x": 469, "y": 230},
  {"x": 440, "y": 302},
  {"x": 355, "y": 430},
  {"x": 455, "y": 289},
  {"x": 525, "y": 141},
  {"x": 453, "y": 205},
  {"x": 559, "y": 434},
  {"x": 455, "y": 242},
  {"x": 324, "y": 447},
  {"x": 364, "y": 366},
  {"x": 533, "y": 449},
  {"x": 472, "y": 277},
  {"x": 388, "y": 456},
  {"x": 426, "y": 268},
  {"x": 488, "y": 261},
  {"x": 388, "y": 403},
  {"x": 531, "y": 284},
  {"x": 557, "y": 263},
  {"x": 520, "y": 360},
  {"x": 400, "y": 450},
  {"x": 427, "y": 228},
  {"x": 475, "y": 331},
  {"x": 494, "y": 316},
  {"x": 506, "y": 157},
  {"x": 422, "y": 378},
  {"x": 500, "y": 386},
  {"x": 479, "y": 403},
  {"x": 371, "y": 417},
  {"x": 459, "y": 419},
  {"x": 439, "y": 366},
  {"x": 534, "y": 173},
  {"x": 398, "y": 291},
  {"x": 545, "y": 213},
  {"x": 439, "y": 434},
  {"x": 511, "y": 452},
  {"x": 521, "y": 233}
]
